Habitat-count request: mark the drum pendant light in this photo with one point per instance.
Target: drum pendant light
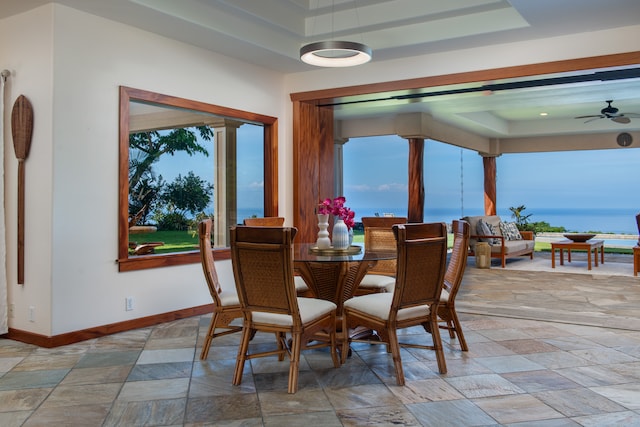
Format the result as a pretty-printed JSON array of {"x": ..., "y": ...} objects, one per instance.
[{"x": 335, "y": 53}]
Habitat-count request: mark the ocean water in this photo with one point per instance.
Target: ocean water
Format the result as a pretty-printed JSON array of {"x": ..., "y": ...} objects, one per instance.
[
  {"x": 603, "y": 220},
  {"x": 581, "y": 220}
]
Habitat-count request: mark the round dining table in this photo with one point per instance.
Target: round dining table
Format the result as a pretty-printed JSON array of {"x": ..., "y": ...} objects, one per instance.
[{"x": 334, "y": 275}]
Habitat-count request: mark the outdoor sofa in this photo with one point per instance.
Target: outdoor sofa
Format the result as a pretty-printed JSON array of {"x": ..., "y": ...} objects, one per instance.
[{"x": 504, "y": 242}]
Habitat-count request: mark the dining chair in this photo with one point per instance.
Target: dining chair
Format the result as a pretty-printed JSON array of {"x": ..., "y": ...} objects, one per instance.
[
  {"x": 422, "y": 254},
  {"x": 268, "y": 221},
  {"x": 378, "y": 235},
  {"x": 226, "y": 306},
  {"x": 263, "y": 269},
  {"x": 452, "y": 280},
  {"x": 277, "y": 221}
]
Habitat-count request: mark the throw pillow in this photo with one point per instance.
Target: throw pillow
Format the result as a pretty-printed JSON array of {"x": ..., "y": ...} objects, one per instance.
[
  {"x": 486, "y": 229},
  {"x": 510, "y": 231}
]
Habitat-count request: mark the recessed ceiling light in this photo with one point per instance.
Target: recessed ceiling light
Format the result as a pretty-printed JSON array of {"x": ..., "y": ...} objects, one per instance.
[{"x": 544, "y": 114}]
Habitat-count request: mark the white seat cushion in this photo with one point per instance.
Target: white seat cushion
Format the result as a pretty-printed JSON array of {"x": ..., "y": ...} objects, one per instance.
[
  {"x": 229, "y": 297},
  {"x": 301, "y": 285},
  {"x": 378, "y": 305},
  {"x": 444, "y": 295},
  {"x": 378, "y": 281},
  {"x": 310, "y": 309}
]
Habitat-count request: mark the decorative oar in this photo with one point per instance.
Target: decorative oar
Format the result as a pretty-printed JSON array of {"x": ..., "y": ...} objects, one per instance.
[{"x": 21, "y": 130}]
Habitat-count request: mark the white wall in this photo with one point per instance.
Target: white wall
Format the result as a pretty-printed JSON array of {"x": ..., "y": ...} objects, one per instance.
[
  {"x": 25, "y": 50},
  {"x": 72, "y": 198}
]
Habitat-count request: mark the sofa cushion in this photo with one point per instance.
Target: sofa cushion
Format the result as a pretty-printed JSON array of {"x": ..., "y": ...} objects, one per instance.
[
  {"x": 510, "y": 231},
  {"x": 514, "y": 246},
  {"x": 486, "y": 229}
]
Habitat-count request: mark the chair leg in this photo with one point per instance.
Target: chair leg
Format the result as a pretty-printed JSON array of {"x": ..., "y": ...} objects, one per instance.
[
  {"x": 437, "y": 345},
  {"x": 242, "y": 354},
  {"x": 210, "y": 332},
  {"x": 395, "y": 353},
  {"x": 333, "y": 339},
  {"x": 294, "y": 364},
  {"x": 344, "y": 338},
  {"x": 451, "y": 327},
  {"x": 458, "y": 330}
]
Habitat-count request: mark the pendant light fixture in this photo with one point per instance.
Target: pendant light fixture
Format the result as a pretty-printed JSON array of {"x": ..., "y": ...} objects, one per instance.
[{"x": 335, "y": 53}]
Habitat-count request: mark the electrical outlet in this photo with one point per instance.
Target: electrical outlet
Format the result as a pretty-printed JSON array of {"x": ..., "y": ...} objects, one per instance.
[
  {"x": 12, "y": 310},
  {"x": 32, "y": 313},
  {"x": 128, "y": 303}
]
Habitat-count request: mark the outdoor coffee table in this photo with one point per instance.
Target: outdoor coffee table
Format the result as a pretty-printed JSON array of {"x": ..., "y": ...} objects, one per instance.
[{"x": 591, "y": 246}]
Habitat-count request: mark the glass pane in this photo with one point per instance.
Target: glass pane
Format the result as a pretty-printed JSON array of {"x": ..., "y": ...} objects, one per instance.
[
  {"x": 375, "y": 175},
  {"x": 180, "y": 174}
]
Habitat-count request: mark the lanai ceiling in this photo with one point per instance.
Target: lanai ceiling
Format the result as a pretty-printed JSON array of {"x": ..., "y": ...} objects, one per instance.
[{"x": 270, "y": 33}]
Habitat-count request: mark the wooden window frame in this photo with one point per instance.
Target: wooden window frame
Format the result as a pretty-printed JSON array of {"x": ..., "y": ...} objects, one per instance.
[{"x": 127, "y": 94}]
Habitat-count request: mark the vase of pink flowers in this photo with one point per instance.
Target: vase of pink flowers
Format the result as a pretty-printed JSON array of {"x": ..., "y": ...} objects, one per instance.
[{"x": 343, "y": 220}]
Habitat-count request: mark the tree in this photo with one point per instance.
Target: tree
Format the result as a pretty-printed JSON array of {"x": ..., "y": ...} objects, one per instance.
[
  {"x": 522, "y": 221},
  {"x": 187, "y": 194},
  {"x": 145, "y": 149}
]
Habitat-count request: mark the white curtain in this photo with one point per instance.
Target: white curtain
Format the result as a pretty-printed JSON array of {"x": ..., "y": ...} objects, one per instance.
[{"x": 4, "y": 327}]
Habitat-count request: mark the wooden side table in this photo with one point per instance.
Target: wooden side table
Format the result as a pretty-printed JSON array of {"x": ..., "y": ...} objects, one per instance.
[{"x": 636, "y": 259}]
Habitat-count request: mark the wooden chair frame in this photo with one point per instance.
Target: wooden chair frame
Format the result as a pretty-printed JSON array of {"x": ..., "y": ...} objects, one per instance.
[
  {"x": 263, "y": 268},
  {"x": 223, "y": 312},
  {"x": 422, "y": 253},
  {"x": 452, "y": 280}
]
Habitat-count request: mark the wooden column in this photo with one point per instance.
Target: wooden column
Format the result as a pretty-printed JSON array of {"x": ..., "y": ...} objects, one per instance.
[
  {"x": 313, "y": 165},
  {"x": 489, "y": 163},
  {"x": 415, "y": 208}
]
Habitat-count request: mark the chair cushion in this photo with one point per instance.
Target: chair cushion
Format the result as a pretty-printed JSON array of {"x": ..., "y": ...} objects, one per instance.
[
  {"x": 510, "y": 231},
  {"x": 310, "y": 309},
  {"x": 379, "y": 305},
  {"x": 444, "y": 295},
  {"x": 301, "y": 285},
  {"x": 228, "y": 297},
  {"x": 515, "y": 246},
  {"x": 379, "y": 282}
]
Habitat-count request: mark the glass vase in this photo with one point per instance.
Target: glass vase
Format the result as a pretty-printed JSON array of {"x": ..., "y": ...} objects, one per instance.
[
  {"x": 340, "y": 235},
  {"x": 323, "y": 241}
]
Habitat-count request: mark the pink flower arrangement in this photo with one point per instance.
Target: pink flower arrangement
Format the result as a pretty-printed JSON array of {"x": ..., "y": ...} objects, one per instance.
[{"x": 337, "y": 208}]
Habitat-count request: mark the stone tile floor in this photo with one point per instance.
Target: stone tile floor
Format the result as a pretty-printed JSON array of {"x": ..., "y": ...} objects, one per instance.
[{"x": 517, "y": 373}]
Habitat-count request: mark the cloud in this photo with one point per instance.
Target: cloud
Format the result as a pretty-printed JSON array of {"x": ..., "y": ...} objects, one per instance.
[
  {"x": 381, "y": 188},
  {"x": 360, "y": 187},
  {"x": 257, "y": 184},
  {"x": 392, "y": 187}
]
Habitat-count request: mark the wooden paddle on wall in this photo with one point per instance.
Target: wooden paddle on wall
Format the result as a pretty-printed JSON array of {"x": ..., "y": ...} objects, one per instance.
[{"x": 21, "y": 130}]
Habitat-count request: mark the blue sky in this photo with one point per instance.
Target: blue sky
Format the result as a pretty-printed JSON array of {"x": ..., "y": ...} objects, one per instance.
[
  {"x": 376, "y": 170},
  {"x": 375, "y": 176}
]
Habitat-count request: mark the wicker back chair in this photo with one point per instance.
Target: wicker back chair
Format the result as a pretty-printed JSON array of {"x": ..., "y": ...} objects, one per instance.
[
  {"x": 226, "y": 306},
  {"x": 422, "y": 254},
  {"x": 269, "y": 221},
  {"x": 378, "y": 235},
  {"x": 263, "y": 268},
  {"x": 277, "y": 221},
  {"x": 452, "y": 280}
]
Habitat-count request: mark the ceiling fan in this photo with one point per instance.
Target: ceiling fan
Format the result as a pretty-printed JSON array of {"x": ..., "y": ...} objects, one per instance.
[{"x": 610, "y": 112}]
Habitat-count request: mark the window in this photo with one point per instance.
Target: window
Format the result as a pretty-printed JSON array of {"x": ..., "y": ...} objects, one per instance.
[{"x": 183, "y": 160}]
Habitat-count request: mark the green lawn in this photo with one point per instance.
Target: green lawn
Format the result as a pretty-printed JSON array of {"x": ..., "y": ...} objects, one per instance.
[
  {"x": 174, "y": 241},
  {"x": 182, "y": 241}
]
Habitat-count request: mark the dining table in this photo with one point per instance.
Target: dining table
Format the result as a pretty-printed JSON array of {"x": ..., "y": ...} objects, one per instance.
[{"x": 334, "y": 275}]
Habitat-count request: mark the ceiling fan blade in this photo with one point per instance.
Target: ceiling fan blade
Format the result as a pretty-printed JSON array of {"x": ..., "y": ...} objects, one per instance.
[
  {"x": 596, "y": 116},
  {"x": 621, "y": 119},
  {"x": 632, "y": 115},
  {"x": 594, "y": 119}
]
